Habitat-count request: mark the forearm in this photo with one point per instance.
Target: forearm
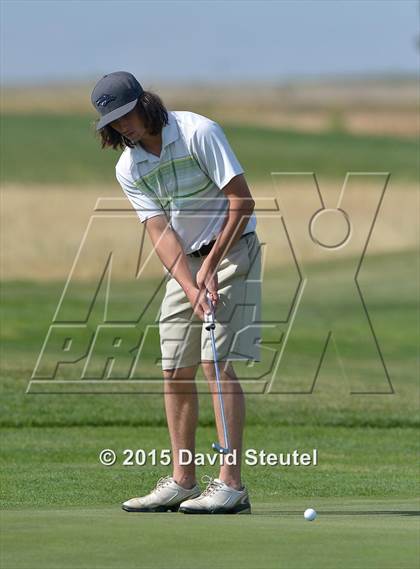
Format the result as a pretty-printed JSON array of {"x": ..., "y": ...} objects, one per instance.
[
  {"x": 235, "y": 222},
  {"x": 172, "y": 255}
]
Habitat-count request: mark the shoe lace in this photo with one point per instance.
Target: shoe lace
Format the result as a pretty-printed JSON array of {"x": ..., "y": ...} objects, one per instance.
[
  {"x": 212, "y": 485},
  {"x": 161, "y": 483}
]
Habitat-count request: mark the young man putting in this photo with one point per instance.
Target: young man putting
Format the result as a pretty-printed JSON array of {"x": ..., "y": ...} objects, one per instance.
[{"x": 182, "y": 177}]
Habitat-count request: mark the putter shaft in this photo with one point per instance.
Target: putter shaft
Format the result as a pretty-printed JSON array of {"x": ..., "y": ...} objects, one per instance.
[{"x": 211, "y": 327}]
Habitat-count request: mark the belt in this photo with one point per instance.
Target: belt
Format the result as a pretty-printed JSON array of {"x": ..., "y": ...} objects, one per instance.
[{"x": 205, "y": 249}]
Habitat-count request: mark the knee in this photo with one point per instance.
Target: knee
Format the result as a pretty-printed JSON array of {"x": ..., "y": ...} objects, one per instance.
[
  {"x": 226, "y": 370},
  {"x": 168, "y": 374},
  {"x": 229, "y": 381},
  {"x": 208, "y": 369},
  {"x": 180, "y": 374}
]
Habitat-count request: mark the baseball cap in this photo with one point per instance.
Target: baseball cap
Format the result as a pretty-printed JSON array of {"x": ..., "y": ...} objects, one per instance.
[{"x": 115, "y": 95}]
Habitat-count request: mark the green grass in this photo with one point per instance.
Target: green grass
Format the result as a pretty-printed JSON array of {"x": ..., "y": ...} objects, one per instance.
[
  {"x": 62, "y": 507},
  {"x": 389, "y": 286},
  {"x": 63, "y": 149},
  {"x": 60, "y": 466},
  {"x": 347, "y": 535}
]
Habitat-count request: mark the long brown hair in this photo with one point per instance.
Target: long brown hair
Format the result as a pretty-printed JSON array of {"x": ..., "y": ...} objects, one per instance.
[{"x": 153, "y": 113}]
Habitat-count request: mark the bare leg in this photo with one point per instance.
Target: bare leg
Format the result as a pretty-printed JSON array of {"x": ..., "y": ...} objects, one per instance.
[
  {"x": 234, "y": 403},
  {"x": 181, "y": 405}
]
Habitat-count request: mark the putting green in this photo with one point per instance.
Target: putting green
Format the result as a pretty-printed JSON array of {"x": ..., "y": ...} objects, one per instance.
[{"x": 352, "y": 533}]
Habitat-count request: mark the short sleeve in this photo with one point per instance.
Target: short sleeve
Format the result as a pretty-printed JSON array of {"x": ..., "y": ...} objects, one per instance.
[
  {"x": 145, "y": 206},
  {"x": 214, "y": 154}
]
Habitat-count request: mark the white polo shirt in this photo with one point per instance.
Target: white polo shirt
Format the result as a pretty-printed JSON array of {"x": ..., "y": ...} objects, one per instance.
[{"x": 185, "y": 181}]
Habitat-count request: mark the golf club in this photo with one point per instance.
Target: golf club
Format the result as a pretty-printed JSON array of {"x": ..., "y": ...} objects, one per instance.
[{"x": 210, "y": 326}]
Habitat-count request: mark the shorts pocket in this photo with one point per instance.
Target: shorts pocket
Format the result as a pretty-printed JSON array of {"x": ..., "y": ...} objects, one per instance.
[{"x": 237, "y": 260}]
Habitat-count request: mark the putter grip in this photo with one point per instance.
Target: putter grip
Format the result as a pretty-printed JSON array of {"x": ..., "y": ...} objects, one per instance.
[{"x": 209, "y": 319}]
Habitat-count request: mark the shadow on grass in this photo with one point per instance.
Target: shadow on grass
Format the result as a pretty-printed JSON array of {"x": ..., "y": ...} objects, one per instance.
[{"x": 412, "y": 513}]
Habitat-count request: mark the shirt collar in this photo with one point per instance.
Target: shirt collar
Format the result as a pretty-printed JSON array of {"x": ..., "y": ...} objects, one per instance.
[{"x": 170, "y": 133}]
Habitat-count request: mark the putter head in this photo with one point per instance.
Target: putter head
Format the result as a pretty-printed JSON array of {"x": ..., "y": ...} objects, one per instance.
[{"x": 218, "y": 448}]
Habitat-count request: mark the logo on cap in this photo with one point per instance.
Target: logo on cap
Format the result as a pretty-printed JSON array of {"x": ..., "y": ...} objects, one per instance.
[{"x": 104, "y": 100}]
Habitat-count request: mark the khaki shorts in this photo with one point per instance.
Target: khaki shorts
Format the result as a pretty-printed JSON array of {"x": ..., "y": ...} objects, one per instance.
[{"x": 185, "y": 342}]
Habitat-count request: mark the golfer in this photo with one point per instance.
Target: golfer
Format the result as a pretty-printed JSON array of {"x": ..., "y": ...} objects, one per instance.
[{"x": 187, "y": 187}]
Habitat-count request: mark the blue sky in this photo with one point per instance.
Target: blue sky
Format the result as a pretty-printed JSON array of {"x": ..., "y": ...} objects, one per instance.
[{"x": 66, "y": 40}]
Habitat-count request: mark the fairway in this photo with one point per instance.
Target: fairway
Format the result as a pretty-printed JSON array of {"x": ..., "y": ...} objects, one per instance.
[
  {"x": 75, "y": 156},
  {"x": 348, "y": 534}
]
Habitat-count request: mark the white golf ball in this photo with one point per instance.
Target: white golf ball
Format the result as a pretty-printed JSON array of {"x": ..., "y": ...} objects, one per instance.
[{"x": 309, "y": 515}]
